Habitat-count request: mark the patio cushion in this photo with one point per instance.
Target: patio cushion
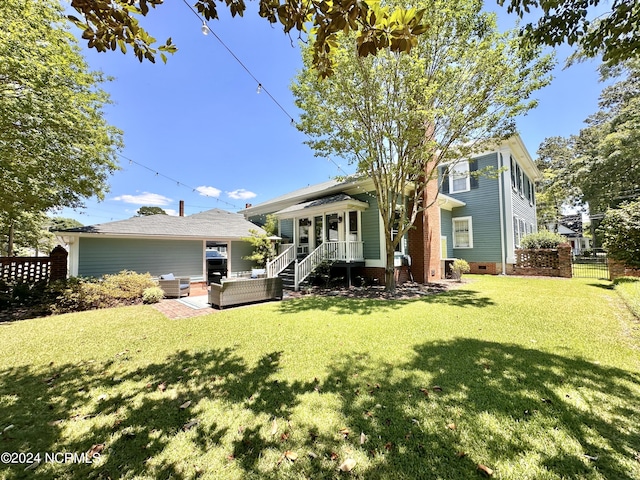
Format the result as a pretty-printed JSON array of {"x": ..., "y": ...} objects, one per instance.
[{"x": 168, "y": 276}]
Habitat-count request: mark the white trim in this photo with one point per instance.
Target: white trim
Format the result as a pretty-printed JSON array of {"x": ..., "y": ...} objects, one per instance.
[
  {"x": 74, "y": 256},
  {"x": 501, "y": 206},
  {"x": 453, "y": 230}
]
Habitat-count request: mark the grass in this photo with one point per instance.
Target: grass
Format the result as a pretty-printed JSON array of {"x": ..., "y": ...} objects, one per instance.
[
  {"x": 629, "y": 290},
  {"x": 533, "y": 378}
]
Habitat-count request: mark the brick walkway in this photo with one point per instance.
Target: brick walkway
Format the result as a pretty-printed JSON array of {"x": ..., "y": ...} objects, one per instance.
[{"x": 172, "y": 308}]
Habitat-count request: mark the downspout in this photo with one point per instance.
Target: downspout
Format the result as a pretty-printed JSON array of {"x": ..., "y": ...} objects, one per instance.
[{"x": 503, "y": 253}]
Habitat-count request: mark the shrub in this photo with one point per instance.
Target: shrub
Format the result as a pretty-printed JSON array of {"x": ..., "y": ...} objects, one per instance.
[
  {"x": 152, "y": 295},
  {"x": 78, "y": 294},
  {"x": 621, "y": 230},
  {"x": 126, "y": 285},
  {"x": 541, "y": 239},
  {"x": 459, "y": 267},
  {"x": 71, "y": 295}
]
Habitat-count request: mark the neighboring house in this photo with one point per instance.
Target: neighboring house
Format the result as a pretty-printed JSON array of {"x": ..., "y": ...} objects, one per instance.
[
  {"x": 478, "y": 219},
  {"x": 161, "y": 244},
  {"x": 499, "y": 210},
  {"x": 571, "y": 227}
]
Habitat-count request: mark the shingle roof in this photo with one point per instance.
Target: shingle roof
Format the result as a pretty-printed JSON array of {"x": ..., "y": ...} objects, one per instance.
[
  {"x": 214, "y": 223},
  {"x": 318, "y": 202}
]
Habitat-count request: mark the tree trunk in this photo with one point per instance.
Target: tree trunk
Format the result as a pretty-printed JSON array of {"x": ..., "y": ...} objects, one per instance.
[
  {"x": 389, "y": 271},
  {"x": 10, "y": 240}
]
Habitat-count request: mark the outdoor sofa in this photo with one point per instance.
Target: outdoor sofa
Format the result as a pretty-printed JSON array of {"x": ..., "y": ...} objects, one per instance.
[
  {"x": 173, "y": 286},
  {"x": 235, "y": 291}
]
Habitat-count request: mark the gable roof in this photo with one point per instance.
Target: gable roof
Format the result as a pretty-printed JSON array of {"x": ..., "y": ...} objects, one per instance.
[
  {"x": 340, "y": 200},
  {"x": 209, "y": 224},
  {"x": 306, "y": 194}
]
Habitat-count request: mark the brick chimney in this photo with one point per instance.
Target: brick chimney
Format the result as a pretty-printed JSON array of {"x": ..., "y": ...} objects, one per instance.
[
  {"x": 181, "y": 211},
  {"x": 424, "y": 239}
]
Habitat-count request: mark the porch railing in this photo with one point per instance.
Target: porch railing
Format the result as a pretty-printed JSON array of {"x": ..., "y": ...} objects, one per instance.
[
  {"x": 278, "y": 264},
  {"x": 328, "y": 251}
]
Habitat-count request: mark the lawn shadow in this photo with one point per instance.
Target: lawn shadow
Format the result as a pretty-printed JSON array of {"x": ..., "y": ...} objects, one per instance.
[
  {"x": 466, "y": 402},
  {"x": 365, "y": 306},
  {"x": 134, "y": 414},
  {"x": 451, "y": 406}
]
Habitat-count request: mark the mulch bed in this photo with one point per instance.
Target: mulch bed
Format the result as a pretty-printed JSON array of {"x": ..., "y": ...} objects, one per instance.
[{"x": 406, "y": 291}]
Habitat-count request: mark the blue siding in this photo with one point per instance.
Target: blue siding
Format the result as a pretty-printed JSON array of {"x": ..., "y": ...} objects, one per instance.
[
  {"x": 446, "y": 230},
  {"x": 370, "y": 226},
  {"x": 101, "y": 256},
  {"x": 483, "y": 206}
]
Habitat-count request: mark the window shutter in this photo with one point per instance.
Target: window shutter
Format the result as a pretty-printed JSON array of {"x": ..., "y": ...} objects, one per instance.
[
  {"x": 444, "y": 175},
  {"x": 474, "y": 181}
]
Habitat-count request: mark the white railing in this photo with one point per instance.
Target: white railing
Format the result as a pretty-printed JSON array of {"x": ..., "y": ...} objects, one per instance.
[
  {"x": 328, "y": 251},
  {"x": 282, "y": 261}
]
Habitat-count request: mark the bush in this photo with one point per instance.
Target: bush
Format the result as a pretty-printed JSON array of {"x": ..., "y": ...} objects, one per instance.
[
  {"x": 621, "y": 231},
  {"x": 152, "y": 295},
  {"x": 126, "y": 285},
  {"x": 78, "y": 294},
  {"x": 71, "y": 295},
  {"x": 542, "y": 239},
  {"x": 459, "y": 267}
]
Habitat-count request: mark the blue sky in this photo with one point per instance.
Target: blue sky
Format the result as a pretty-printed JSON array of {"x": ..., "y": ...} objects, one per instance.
[{"x": 197, "y": 131}]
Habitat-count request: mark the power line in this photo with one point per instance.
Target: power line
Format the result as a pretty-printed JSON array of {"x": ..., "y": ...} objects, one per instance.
[
  {"x": 260, "y": 86},
  {"x": 177, "y": 182}
]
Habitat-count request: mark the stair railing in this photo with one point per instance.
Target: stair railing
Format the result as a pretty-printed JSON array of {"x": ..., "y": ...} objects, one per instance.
[{"x": 282, "y": 261}]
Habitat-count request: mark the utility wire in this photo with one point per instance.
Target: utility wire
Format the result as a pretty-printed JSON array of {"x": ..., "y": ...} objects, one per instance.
[
  {"x": 260, "y": 85},
  {"x": 177, "y": 182}
]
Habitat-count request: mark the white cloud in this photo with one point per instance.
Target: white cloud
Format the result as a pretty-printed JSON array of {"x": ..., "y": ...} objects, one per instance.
[
  {"x": 241, "y": 194},
  {"x": 145, "y": 198},
  {"x": 209, "y": 191}
]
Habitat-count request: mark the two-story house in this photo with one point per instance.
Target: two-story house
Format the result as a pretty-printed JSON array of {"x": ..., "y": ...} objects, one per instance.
[
  {"x": 478, "y": 218},
  {"x": 498, "y": 209}
]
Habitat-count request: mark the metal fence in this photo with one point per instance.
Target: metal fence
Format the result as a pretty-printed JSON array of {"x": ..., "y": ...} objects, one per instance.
[{"x": 595, "y": 266}]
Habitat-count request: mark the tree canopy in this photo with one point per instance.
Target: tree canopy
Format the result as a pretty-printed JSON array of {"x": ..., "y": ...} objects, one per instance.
[
  {"x": 145, "y": 211},
  {"x": 598, "y": 166},
  {"x": 397, "y": 117},
  {"x": 556, "y": 191},
  {"x": 614, "y": 35},
  {"x": 55, "y": 146},
  {"x": 114, "y": 25}
]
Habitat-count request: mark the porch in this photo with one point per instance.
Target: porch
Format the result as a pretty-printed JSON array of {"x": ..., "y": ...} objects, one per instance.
[{"x": 346, "y": 254}]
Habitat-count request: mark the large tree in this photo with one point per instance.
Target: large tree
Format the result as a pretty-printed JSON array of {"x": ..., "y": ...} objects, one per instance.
[
  {"x": 56, "y": 148},
  {"x": 599, "y": 166},
  {"x": 615, "y": 34},
  {"x": 606, "y": 167},
  {"x": 146, "y": 211},
  {"x": 556, "y": 191},
  {"x": 398, "y": 117}
]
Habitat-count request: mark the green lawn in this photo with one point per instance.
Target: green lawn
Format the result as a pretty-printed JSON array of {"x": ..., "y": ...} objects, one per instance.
[{"x": 532, "y": 378}]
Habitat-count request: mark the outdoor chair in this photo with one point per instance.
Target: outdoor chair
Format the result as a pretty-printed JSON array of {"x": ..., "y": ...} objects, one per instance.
[{"x": 175, "y": 286}]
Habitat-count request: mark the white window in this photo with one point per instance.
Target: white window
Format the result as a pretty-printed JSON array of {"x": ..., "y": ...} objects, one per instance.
[
  {"x": 459, "y": 177},
  {"x": 462, "y": 233},
  {"x": 516, "y": 232}
]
